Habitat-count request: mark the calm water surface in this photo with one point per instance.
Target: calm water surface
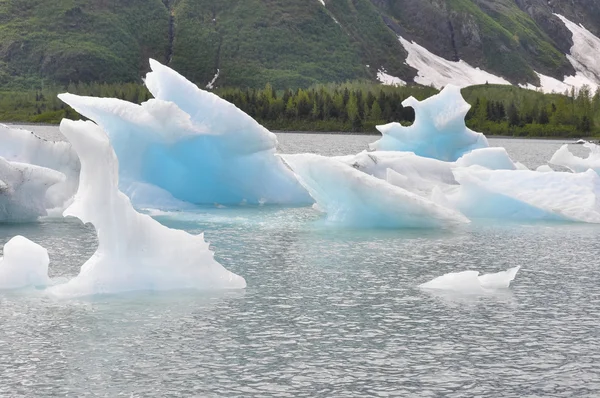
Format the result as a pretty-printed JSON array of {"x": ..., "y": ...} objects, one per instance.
[{"x": 327, "y": 312}]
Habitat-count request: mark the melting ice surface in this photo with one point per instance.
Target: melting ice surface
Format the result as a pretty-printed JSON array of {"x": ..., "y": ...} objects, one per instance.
[
  {"x": 439, "y": 130},
  {"x": 25, "y": 264},
  {"x": 135, "y": 252},
  {"x": 192, "y": 145},
  {"x": 563, "y": 157},
  {"x": 471, "y": 282}
]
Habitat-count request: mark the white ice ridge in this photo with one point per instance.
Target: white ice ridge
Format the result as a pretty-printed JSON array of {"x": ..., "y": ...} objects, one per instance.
[
  {"x": 25, "y": 264},
  {"x": 23, "y": 190},
  {"x": 439, "y": 130},
  {"x": 135, "y": 252},
  {"x": 564, "y": 157},
  {"x": 192, "y": 144},
  {"x": 471, "y": 282},
  {"x": 350, "y": 197},
  {"x": 438, "y": 72},
  {"x": 18, "y": 145},
  {"x": 584, "y": 56}
]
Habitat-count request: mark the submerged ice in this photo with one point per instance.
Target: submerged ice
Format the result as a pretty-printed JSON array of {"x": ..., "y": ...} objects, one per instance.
[
  {"x": 472, "y": 281},
  {"x": 135, "y": 252},
  {"x": 25, "y": 264},
  {"x": 191, "y": 144},
  {"x": 439, "y": 129}
]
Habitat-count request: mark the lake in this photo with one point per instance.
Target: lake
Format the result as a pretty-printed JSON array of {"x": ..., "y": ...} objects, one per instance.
[{"x": 327, "y": 312}]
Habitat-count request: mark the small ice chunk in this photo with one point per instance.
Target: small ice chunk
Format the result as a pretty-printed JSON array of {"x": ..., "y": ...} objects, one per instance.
[
  {"x": 24, "y": 264},
  {"x": 135, "y": 252},
  {"x": 544, "y": 169},
  {"x": 564, "y": 157},
  {"x": 471, "y": 282},
  {"x": 439, "y": 130}
]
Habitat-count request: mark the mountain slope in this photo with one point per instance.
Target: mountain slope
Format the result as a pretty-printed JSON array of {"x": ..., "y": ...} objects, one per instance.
[{"x": 291, "y": 43}]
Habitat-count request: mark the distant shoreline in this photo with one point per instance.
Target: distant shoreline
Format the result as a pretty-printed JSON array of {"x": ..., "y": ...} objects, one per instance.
[{"x": 366, "y": 133}]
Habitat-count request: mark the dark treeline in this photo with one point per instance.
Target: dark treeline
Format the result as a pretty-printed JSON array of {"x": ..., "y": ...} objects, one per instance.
[
  {"x": 358, "y": 107},
  {"x": 506, "y": 110},
  {"x": 354, "y": 107}
]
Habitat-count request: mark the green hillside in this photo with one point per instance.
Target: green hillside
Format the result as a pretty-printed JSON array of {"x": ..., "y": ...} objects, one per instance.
[{"x": 288, "y": 43}]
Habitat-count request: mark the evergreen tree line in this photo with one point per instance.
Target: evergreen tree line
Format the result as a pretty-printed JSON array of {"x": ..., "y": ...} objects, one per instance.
[
  {"x": 350, "y": 107},
  {"x": 357, "y": 107}
]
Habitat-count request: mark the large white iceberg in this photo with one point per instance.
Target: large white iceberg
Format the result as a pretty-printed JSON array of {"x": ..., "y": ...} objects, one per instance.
[
  {"x": 22, "y": 146},
  {"x": 350, "y": 197},
  {"x": 135, "y": 252},
  {"x": 192, "y": 144},
  {"x": 564, "y": 157},
  {"x": 439, "y": 129},
  {"x": 471, "y": 282},
  {"x": 25, "y": 264},
  {"x": 23, "y": 190}
]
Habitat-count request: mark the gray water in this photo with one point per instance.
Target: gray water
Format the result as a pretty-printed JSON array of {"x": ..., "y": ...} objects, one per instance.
[{"x": 327, "y": 312}]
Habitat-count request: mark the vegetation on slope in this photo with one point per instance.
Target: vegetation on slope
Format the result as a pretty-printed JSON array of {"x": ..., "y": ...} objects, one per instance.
[{"x": 57, "y": 42}]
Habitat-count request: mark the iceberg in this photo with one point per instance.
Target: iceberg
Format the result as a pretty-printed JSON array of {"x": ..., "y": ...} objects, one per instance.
[
  {"x": 471, "y": 282},
  {"x": 439, "y": 130},
  {"x": 563, "y": 157},
  {"x": 192, "y": 144},
  {"x": 135, "y": 252},
  {"x": 524, "y": 195},
  {"x": 352, "y": 198},
  {"x": 22, "y": 146},
  {"x": 23, "y": 190},
  {"x": 25, "y": 264}
]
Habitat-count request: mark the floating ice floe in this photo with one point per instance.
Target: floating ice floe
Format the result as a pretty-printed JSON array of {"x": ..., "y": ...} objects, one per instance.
[
  {"x": 135, "y": 252},
  {"x": 25, "y": 264},
  {"x": 192, "y": 144},
  {"x": 483, "y": 184},
  {"x": 24, "y": 189},
  {"x": 350, "y": 197},
  {"x": 470, "y": 282},
  {"x": 439, "y": 129},
  {"x": 22, "y": 146},
  {"x": 564, "y": 157},
  {"x": 524, "y": 195}
]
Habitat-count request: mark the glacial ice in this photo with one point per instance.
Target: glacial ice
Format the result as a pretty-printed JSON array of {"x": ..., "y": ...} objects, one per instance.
[
  {"x": 135, "y": 252},
  {"x": 564, "y": 157},
  {"x": 524, "y": 195},
  {"x": 471, "y": 282},
  {"x": 350, "y": 197},
  {"x": 18, "y": 145},
  {"x": 439, "y": 130},
  {"x": 25, "y": 264},
  {"x": 192, "y": 144},
  {"x": 23, "y": 190}
]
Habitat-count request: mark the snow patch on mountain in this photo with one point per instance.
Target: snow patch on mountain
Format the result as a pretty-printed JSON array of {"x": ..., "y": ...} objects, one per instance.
[
  {"x": 438, "y": 72},
  {"x": 389, "y": 80},
  {"x": 584, "y": 56}
]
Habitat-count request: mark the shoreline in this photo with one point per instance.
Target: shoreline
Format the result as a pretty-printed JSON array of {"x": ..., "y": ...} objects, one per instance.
[{"x": 365, "y": 133}]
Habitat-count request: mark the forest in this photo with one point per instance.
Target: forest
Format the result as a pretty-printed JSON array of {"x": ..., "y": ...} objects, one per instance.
[{"x": 351, "y": 107}]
